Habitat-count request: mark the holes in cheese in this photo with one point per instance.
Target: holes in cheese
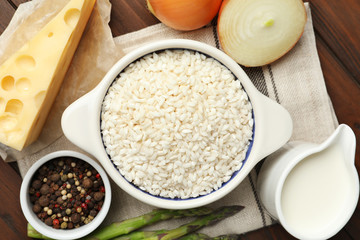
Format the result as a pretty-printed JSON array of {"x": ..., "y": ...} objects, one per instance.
[
  {"x": 7, "y": 83},
  {"x": 26, "y": 62},
  {"x": 23, "y": 84},
  {"x": 71, "y": 17},
  {"x": 7, "y": 123},
  {"x": 14, "y": 106},
  {"x": 31, "y": 78},
  {"x": 39, "y": 98}
]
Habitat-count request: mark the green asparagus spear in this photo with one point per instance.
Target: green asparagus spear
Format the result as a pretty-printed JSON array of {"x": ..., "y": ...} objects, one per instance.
[
  {"x": 129, "y": 225},
  {"x": 32, "y": 233},
  {"x": 209, "y": 219},
  {"x": 138, "y": 235}
]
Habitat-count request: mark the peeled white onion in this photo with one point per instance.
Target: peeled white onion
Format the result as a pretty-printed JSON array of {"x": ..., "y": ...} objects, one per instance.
[{"x": 258, "y": 32}]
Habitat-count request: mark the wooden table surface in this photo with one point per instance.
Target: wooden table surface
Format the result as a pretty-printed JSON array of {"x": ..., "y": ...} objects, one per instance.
[{"x": 337, "y": 30}]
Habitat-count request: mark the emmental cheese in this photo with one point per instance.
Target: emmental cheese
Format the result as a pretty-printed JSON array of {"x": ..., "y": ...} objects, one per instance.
[{"x": 31, "y": 77}]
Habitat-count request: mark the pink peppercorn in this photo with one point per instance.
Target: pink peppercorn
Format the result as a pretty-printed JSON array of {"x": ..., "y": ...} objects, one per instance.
[
  {"x": 56, "y": 222},
  {"x": 84, "y": 206}
]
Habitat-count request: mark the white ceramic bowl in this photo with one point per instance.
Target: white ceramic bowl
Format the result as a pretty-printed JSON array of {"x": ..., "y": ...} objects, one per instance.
[
  {"x": 272, "y": 124},
  {"x": 48, "y": 231}
]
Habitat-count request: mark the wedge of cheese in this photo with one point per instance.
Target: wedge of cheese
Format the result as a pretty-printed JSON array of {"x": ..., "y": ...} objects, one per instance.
[{"x": 31, "y": 77}]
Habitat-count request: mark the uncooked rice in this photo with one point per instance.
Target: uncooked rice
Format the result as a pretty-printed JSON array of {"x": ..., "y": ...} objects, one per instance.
[{"x": 177, "y": 124}]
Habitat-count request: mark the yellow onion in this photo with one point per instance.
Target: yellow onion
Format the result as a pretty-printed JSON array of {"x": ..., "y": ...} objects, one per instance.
[
  {"x": 184, "y": 14},
  {"x": 258, "y": 32}
]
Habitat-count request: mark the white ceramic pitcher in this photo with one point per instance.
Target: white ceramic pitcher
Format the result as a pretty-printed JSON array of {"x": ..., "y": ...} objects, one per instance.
[{"x": 312, "y": 189}]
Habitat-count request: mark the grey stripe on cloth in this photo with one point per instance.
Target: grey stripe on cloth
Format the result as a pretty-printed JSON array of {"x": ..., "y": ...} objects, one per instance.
[
  {"x": 214, "y": 24},
  {"x": 273, "y": 83},
  {"x": 261, "y": 210},
  {"x": 256, "y": 75}
]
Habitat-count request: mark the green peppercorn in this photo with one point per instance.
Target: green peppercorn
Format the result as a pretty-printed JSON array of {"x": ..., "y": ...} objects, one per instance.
[
  {"x": 64, "y": 225},
  {"x": 68, "y": 211},
  {"x": 64, "y": 178}
]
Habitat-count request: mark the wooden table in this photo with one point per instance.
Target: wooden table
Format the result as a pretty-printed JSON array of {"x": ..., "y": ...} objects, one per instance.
[{"x": 337, "y": 30}]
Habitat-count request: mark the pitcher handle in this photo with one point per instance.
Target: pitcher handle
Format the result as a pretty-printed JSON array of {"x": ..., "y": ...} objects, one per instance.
[
  {"x": 77, "y": 123},
  {"x": 274, "y": 125}
]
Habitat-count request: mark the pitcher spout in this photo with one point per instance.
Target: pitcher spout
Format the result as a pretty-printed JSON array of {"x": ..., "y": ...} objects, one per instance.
[{"x": 343, "y": 138}]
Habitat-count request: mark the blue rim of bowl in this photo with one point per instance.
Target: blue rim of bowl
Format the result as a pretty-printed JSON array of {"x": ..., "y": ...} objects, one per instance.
[{"x": 235, "y": 173}]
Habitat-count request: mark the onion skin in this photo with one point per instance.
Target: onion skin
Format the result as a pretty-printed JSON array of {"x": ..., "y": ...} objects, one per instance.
[
  {"x": 184, "y": 15},
  {"x": 236, "y": 53}
]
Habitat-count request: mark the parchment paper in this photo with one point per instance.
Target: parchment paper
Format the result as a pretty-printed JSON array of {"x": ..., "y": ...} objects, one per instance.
[{"x": 96, "y": 53}]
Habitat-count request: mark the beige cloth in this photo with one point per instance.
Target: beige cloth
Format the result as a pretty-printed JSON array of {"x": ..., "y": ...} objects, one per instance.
[{"x": 295, "y": 81}]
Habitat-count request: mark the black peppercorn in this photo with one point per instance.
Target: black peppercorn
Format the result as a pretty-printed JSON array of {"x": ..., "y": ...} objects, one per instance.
[
  {"x": 33, "y": 198},
  {"x": 55, "y": 177},
  {"x": 98, "y": 196},
  {"x": 75, "y": 218},
  {"x": 70, "y": 225},
  {"x": 93, "y": 213},
  {"x": 90, "y": 205},
  {"x": 87, "y": 183},
  {"x": 44, "y": 189},
  {"x": 36, "y": 184},
  {"x": 43, "y": 170},
  {"x": 59, "y": 200},
  {"x": 44, "y": 201},
  {"x": 32, "y": 191},
  {"x": 96, "y": 184},
  {"x": 37, "y": 208},
  {"x": 66, "y": 169},
  {"x": 53, "y": 197},
  {"x": 63, "y": 213},
  {"x": 49, "y": 221}
]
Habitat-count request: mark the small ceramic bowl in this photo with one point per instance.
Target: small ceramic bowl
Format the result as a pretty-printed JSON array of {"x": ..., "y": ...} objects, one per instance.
[
  {"x": 48, "y": 231},
  {"x": 81, "y": 124}
]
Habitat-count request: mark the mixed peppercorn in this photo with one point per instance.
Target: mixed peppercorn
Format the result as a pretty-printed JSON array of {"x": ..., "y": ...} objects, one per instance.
[{"x": 66, "y": 193}]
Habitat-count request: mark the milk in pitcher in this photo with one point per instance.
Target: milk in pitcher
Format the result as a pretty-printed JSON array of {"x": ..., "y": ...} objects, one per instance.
[{"x": 314, "y": 190}]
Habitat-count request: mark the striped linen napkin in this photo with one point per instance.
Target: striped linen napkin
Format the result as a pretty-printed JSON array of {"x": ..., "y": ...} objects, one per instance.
[{"x": 295, "y": 81}]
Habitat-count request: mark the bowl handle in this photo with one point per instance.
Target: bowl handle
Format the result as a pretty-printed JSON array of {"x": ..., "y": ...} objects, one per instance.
[
  {"x": 76, "y": 123},
  {"x": 274, "y": 124}
]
